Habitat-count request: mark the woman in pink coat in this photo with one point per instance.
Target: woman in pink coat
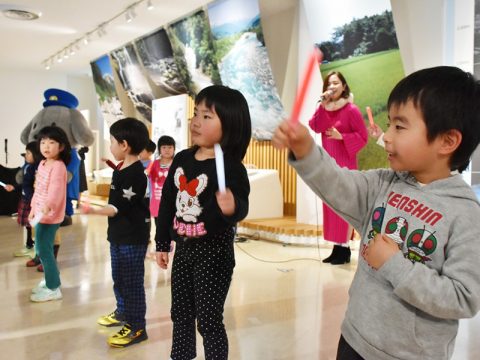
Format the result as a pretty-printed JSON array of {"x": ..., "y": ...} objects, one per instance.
[{"x": 344, "y": 134}]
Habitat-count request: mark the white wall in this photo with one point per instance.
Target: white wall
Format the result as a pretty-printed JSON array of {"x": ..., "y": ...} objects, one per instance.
[
  {"x": 420, "y": 27},
  {"x": 309, "y": 206},
  {"x": 22, "y": 98}
]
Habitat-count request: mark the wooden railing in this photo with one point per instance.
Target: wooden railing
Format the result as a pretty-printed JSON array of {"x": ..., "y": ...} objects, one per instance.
[{"x": 264, "y": 156}]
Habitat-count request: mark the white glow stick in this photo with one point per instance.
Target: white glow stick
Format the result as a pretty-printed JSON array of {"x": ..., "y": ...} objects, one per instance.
[
  {"x": 3, "y": 184},
  {"x": 36, "y": 219},
  {"x": 220, "y": 167}
]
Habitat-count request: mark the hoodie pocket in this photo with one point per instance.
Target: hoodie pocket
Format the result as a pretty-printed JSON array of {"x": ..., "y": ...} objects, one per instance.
[
  {"x": 436, "y": 336},
  {"x": 380, "y": 318}
]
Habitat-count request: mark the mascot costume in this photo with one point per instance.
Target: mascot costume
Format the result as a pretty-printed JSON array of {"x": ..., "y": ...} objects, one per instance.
[{"x": 60, "y": 109}]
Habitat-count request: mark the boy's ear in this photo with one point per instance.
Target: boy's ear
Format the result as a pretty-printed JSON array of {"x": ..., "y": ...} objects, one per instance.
[
  {"x": 451, "y": 140},
  {"x": 123, "y": 144}
]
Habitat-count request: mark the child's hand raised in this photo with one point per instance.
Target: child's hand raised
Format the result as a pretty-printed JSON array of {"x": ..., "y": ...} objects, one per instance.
[
  {"x": 375, "y": 131},
  {"x": 226, "y": 202},
  {"x": 295, "y": 137},
  {"x": 380, "y": 249}
]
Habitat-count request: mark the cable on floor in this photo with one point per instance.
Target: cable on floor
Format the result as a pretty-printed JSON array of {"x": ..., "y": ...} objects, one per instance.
[{"x": 274, "y": 261}]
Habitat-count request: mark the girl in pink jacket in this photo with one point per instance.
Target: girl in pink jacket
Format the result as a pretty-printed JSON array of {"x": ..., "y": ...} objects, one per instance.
[{"x": 48, "y": 207}]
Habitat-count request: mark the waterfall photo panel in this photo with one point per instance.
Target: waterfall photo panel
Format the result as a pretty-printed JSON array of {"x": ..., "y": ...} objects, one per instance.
[
  {"x": 156, "y": 55},
  {"x": 194, "y": 52},
  {"x": 133, "y": 80},
  {"x": 243, "y": 61},
  {"x": 109, "y": 103}
]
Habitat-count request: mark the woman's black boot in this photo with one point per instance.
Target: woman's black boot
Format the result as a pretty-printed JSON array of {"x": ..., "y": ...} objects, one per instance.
[
  {"x": 343, "y": 256},
  {"x": 333, "y": 255}
]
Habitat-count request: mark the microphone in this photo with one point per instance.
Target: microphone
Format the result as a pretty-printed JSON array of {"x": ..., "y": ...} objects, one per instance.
[
  {"x": 6, "y": 151},
  {"x": 326, "y": 95}
]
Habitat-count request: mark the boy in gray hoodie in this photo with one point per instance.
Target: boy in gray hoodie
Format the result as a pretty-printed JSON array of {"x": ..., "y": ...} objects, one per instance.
[{"x": 418, "y": 271}]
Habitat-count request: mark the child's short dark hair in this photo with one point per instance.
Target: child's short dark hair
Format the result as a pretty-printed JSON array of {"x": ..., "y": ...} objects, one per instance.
[
  {"x": 151, "y": 147},
  {"x": 133, "y": 131},
  {"x": 165, "y": 140},
  {"x": 232, "y": 109},
  {"x": 57, "y": 134},
  {"x": 34, "y": 149},
  {"x": 449, "y": 98}
]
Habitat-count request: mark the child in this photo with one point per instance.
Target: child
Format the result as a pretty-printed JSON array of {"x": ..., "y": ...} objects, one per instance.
[
  {"x": 128, "y": 235},
  {"x": 32, "y": 158},
  {"x": 146, "y": 154},
  {"x": 48, "y": 202},
  {"x": 201, "y": 220},
  {"x": 158, "y": 173},
  {"x": 418, "y": 267}
]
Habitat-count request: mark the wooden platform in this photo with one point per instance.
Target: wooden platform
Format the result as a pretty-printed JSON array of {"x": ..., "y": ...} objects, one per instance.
[{"x": 285, "y": 225}]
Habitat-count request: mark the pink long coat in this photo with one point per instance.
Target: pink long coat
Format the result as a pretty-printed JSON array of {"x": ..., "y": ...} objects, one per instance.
[{"x": 349, "y": 122}]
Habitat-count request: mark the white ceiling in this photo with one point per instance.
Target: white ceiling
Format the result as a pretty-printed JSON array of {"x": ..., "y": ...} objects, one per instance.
[{"x": 26, "y": 44}]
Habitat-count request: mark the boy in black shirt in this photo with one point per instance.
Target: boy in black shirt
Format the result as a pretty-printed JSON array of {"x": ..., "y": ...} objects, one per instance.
[{"x": 128, "y": 234}]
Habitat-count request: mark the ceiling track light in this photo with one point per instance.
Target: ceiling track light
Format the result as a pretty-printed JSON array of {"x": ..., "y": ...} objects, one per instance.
[
  {"x": 128, "y": 17},
  {"x": 130, "y": 13},
  {"x": 100, "y": 30}
]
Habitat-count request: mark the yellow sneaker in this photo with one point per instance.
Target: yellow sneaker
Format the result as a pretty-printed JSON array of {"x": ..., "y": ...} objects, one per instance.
[
  {"x": 112, "y": 319},
  {"x": 126, "y": 337}
]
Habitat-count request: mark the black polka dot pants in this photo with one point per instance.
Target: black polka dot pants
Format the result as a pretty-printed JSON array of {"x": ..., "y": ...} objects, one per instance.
[{"x": 201, "y": 275}]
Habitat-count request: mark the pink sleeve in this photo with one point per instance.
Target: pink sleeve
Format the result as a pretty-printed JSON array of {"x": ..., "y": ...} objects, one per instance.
[
  {"x": 320, "y": 121},
  {"x": 355, "y": 140},
  {"x": 57, "y": 187}
]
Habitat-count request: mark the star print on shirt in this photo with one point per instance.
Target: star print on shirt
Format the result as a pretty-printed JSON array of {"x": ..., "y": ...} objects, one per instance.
[{"x": 128, "y": 193}]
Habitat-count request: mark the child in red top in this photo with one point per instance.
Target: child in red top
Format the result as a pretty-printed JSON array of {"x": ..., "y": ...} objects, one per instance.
[
  {"x": 48, "y": 207},
  {"x": 157, "y": 173}
]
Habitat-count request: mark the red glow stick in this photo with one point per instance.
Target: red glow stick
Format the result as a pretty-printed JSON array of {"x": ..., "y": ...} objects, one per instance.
[
  {"x": 370, "y": 116},
  {"x": 315, "y": 58}
]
